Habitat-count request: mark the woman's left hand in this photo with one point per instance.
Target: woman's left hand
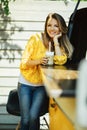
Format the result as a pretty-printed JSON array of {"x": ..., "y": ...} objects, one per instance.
[{"x": 55, "y": 39}]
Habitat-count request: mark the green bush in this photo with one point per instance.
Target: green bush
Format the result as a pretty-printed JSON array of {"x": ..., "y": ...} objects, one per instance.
[{"x": 4, "y": 6}]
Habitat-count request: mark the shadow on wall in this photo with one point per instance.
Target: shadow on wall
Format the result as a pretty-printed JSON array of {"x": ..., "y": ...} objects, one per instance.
[{"x": 7, "y": 48}]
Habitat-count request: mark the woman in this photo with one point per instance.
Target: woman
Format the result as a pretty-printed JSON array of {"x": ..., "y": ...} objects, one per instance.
[{"x": 31, "y": 90}]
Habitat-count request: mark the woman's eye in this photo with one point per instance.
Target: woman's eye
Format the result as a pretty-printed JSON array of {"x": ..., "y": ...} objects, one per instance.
[
  {"x": 57, "y": 26},
  {"x": 49, "y": 25}
]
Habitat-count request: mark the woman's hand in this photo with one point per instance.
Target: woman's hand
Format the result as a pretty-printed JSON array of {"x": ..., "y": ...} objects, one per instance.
[
  {"x": 58, "y": 35},
  {"x": 55, "y": 39},
  {"x": 57, "y": 45},
  {"x": 44, "y": 61}
]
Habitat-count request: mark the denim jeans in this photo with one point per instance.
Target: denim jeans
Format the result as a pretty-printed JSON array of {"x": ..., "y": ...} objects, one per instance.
[{"x": 31, "y": 100}]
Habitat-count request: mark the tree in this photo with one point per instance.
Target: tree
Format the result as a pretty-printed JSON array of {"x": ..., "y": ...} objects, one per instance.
[{"x": 4, "y": 6}]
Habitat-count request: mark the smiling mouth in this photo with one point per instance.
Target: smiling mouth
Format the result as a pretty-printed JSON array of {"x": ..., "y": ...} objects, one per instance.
[{"x": 52, "y": 34}]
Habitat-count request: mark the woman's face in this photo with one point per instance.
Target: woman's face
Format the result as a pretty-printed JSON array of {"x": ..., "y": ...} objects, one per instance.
[{"x": 52, "y": 27}]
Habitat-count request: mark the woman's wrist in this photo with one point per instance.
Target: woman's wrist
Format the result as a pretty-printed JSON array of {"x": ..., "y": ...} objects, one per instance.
[
  {"x": 34, "y": 62},
  {"x": 56, "y": 44},
  {"x": 40, "y": 61}
]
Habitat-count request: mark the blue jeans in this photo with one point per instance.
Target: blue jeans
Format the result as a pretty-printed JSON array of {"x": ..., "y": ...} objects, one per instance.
[{"x": 31, "y": 100}]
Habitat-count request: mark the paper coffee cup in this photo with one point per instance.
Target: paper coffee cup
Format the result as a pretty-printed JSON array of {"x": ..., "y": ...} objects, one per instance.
[{"x": 50, "y": 56}]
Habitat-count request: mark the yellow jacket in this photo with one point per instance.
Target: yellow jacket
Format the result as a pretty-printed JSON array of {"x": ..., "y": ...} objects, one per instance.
[
  {"x": 36, "y": 50},
  {"x": 33, "y": 50}
]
